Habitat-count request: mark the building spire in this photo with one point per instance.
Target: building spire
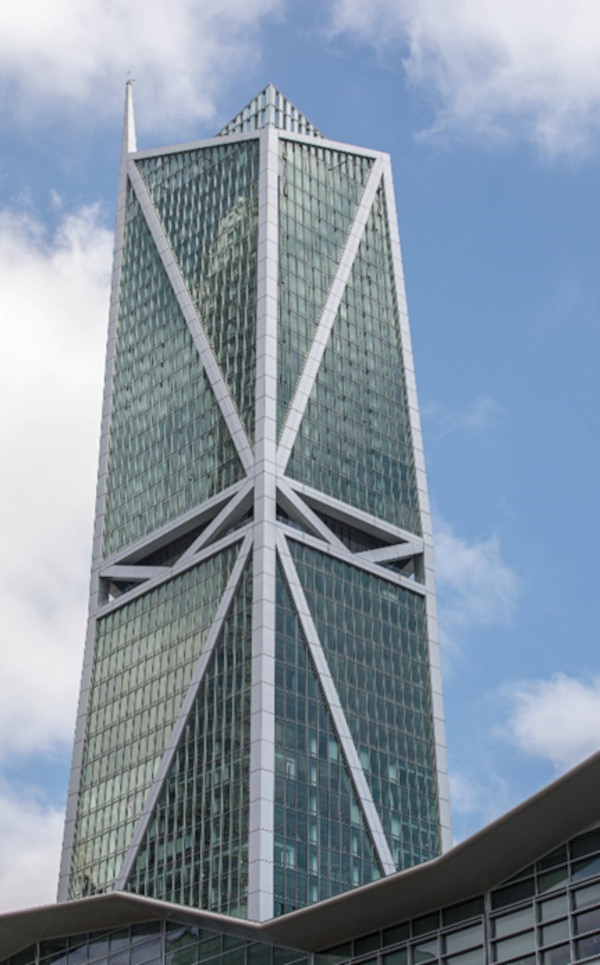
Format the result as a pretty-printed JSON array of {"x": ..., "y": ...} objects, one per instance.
[{"x": 128, "y": 142}]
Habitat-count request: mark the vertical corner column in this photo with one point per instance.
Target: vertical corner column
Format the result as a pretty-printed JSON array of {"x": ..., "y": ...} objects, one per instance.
[
  {"x": 262, "y": 720},
  {"x": 95, "y": 598},
  {"x": 428, "y": 566}
]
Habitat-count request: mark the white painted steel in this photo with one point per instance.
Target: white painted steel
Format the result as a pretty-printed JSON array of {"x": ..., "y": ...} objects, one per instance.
[
  {"x": 332, "y": 303},
  {"x": 336, "y": 711},
  {"x": 184, "y": 713},
  {"x": 128, "y": 144},
  {"x": 262, "y": 714},
  {"x": 201, "y": 341}
]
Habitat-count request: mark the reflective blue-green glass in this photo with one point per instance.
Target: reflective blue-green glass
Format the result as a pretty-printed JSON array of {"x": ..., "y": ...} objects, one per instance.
[
  {"x": 319, "y": 190},
  {"x": 195, "y": 851},
  {"x": 207, "y": 200},
  {"x": 374, "y": 636},
  {"x": 321, "y": 844},
  {"x": 144, "y": 658},
  {"x": 355, "y": 440},
  {"x": 169, "y": 445}
]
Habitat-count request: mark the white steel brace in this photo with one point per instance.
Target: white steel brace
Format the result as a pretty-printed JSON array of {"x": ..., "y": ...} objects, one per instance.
[
  {"x": 332, "y": 303},
  {"x": 336, "y": 711},
  {"x": 128, "y": 144},
  {"x": 220, "y": 520},
  {"x": 180, "y": 290},
  {"x": 354, "y": 559},
  {"x": 179, "y": 526},
  {"x": 184, "y": 713},
  {"x": 293, "y": 504}
]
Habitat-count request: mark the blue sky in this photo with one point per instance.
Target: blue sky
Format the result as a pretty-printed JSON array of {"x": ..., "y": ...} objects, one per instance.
[{"x": 491, "y": 112}]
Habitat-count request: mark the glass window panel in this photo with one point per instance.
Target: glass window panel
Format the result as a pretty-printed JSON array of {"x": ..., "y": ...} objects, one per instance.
[
  {"x": 586, "y": 868},
  {"x": 511, "y": 947},
  {"x": 515, "y": 922},
  {"x": 556, "y": 932},
  {"x": 585, "y": 844},
  {"x": 340, "y": 952},
  {"x": 553, "y": 860},
  {"x": 466, "y": 909},
  {"x": 258, "y": 954},
  {"x": 553, "y": 879},
  {"x": 367, "y": 943},
  {"x": 587, "y": 896},
  {"x": 398, "y": 933},
  {"x": 78, "y": 955},
  {"x": 145, "y": 951},
  {"x": 588, "y": 921},
  {"x": 119, "y": 958},
  {"x": 586, "y": 947},
  {"x": 425, "y": 951},
  {"x": 425, "y": 924},
  {"x": 552, "y": 908},
  {"x": 476, "y": 956},
  {"x": 398, "y": 957},
  {"x": 465, "y": 938},
  {"x": 561, "y": 955},
  {"x": 512, "y": 894}
]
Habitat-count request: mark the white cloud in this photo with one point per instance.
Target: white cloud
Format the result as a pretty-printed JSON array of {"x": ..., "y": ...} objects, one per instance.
[
  {"x": 475, "y": 586},
  {"x": 31, "y": 834},
  {"x": 53, "y": 316},
  {"x": 481, "y": 416},
  {"x": 495, "y": 68},
  {"x": 78, "y": 53},
  {"x": 476, "y": 799},
  {"x": 556, "y": 719}
]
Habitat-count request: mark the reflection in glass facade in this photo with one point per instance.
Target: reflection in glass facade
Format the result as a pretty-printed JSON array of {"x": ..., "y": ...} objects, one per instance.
[
  {"x": 373, "y": 635},
  {"x": 207, "y": 201},
  {"x": 145, "y": 655},
  {"x": 195, "y": 849},
  {"x": 355, "y": 440},
  {"x": 260, "y": 725},
  {"x": 548, "y": 914},
  {"x": 319, "y": 190},
  {"x": 169, "y": 446},
  {"x": 321, "y": 843}
]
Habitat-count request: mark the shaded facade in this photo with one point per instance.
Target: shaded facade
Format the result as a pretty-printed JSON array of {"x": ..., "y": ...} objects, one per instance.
[{"x": 260, "y": 724}]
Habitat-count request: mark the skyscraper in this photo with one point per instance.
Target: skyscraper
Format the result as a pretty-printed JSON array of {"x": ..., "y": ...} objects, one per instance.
[{"x": 260, "y": 723}]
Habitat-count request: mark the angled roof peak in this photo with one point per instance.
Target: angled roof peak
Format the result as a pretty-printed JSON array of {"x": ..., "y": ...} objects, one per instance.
[{"x": 270, "y": 106}]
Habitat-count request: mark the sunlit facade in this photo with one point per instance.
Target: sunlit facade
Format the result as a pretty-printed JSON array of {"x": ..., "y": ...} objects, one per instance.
[{"x": 260, "y": 724}]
